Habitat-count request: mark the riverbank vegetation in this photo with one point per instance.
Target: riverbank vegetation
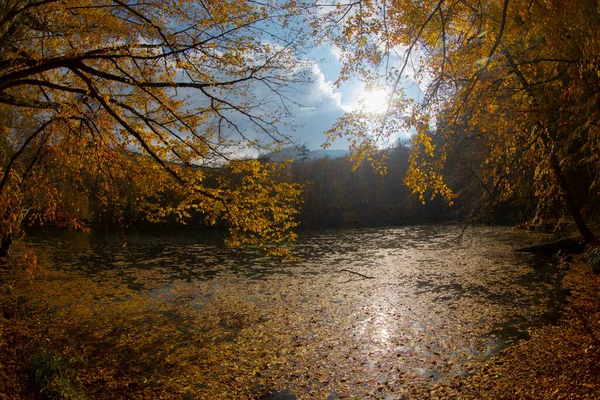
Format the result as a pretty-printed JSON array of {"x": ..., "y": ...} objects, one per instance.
[{"x": 337, "y": 194}]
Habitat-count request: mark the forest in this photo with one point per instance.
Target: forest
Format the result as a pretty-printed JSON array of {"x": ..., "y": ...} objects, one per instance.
[
  {"x": 452, "y": 252},
  {"x": 338, "y": 195}
]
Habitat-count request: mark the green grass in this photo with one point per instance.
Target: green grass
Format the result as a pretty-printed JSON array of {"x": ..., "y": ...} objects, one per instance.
[{"x": 55, "y": 377}]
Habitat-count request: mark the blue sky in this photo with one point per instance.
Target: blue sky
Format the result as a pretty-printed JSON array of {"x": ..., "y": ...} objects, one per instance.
[
  {"x": 315, "y": 104},
  {"x": 327, "y": 102}
]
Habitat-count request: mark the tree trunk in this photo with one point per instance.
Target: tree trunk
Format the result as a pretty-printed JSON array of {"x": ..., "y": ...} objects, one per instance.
[
  {"x": 572, "y": 244},
  {"x": 5, "y": 243},
  {"x": 546, "y": 136},
  {"x": 586, "y": 233}
]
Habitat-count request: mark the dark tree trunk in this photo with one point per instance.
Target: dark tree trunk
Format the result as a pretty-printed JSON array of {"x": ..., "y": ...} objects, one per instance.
[
  {"x": 547, "y": 139},
  {"x": 572, "y": 244},
  {"x": 5, "y": 243},
  {"x": 586, "y": 233}
]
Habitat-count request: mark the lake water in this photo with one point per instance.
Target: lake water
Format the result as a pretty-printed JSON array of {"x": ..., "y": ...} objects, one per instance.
[{"x": 438, "y": 301}]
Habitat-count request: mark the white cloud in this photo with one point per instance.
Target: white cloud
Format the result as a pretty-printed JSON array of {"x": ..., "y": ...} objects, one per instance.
[
  {"x": 335, "y": 52},
  {"x": 325, "y": 90}
]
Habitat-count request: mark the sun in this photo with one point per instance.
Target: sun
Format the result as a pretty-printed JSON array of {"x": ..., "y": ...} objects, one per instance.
[{"x": 373, "y": 101}]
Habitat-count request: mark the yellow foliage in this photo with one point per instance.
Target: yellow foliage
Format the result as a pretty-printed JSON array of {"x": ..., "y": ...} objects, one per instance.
[
  {"x": 518, "y": 80},
  {"x": 129, "y": 109}
]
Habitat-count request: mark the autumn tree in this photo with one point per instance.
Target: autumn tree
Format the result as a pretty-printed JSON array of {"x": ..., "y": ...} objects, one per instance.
[
  {"x": 520, "y": 78},
  {"x": 131, "y": 101}
]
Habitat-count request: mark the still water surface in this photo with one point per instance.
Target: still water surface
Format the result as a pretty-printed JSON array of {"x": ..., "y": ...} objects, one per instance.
[{"x": 438, "y": 302}]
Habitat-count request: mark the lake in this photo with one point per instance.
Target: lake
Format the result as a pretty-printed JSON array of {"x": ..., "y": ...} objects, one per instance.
[{"x": 227, "y": 323}]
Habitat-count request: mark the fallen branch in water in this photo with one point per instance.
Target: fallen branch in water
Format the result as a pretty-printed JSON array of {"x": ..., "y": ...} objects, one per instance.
[
  {"x": 357, "y": 273},
  {"x": 568, "y": 244}
]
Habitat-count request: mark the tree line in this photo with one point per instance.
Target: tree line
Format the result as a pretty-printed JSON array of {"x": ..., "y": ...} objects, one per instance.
[{"x": 337, "y": 193}]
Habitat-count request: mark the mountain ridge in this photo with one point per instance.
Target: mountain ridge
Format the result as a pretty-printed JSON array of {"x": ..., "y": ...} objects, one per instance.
[{"x": 300, "y": 153}]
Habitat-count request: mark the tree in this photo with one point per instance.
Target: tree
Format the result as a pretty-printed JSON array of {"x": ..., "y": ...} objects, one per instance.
[
  {"x": 519, "y": 77},
  {"x": 130, "y": 101}
]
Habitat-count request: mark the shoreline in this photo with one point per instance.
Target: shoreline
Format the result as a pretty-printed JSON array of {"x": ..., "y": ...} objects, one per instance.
[{"x": 560, "y": 361}]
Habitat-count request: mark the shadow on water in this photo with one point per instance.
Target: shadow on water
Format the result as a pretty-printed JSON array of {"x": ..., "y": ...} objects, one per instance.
[
  {"x": 541, "y": 284},
  {"x": 188, "y": 255}
]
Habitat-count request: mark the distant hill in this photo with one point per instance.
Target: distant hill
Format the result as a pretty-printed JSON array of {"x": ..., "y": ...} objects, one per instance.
[{"x": 294, "y": 154}]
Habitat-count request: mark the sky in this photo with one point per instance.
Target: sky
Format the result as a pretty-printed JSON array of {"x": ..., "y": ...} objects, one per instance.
[
  {"x": 319, "y": 103},
  {"x": 326, "y": 102}
]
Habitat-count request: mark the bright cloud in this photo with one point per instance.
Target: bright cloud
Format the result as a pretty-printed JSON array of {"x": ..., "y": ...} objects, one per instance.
[{"x": 325, "y": 90}]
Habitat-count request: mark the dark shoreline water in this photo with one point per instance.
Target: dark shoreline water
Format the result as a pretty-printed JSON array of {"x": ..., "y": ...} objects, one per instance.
[{"x": 438, "y": 303}]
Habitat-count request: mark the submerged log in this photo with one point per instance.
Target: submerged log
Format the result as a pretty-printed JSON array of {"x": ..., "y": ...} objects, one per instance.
[
  {"x": 571, "y": 244},
  {"x": 357, "y": 273}
]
